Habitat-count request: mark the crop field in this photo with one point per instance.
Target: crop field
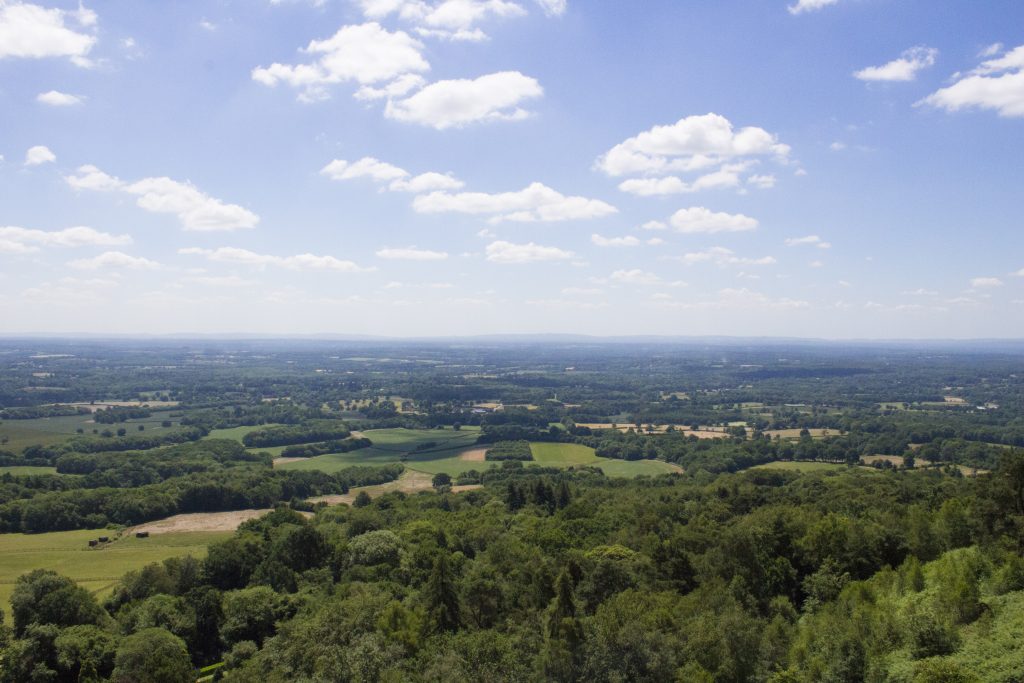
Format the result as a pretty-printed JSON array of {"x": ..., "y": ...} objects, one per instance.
[
  {"x": 97, "y": 569},
  {"x": 795, "y": 433},
  {"x": 236, "y": 433},
  {"x": 17, "y": 435},
  {"x": 570, "y": 454}
]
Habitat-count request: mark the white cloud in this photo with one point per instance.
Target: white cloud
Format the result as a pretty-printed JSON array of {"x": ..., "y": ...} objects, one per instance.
[
  {"x": 364, "y": 53},
  {"x": 1020, "y": 273},
  {"x": 693, "y": 143},
  {"x": 298, "y": 262},
  {"x": 460, "y": 102},
  {"x": 986, "y": 282},
  {"x": 627, "y": 241},
  {"x": 837, "y": 146},
  {"x": 903, "y": 69},
  {"x": 762, "y": 182},
  {"x": 655, "y": 241},
  {"x": 698, "y": 219},
  {"x": 207, "y": 25},
  {"x": 802, "y": 6},
  {"x": 920, "y": 291},
  {"x": 398, "y": 179},
  {"x": 635, "y": 277},
  {"x": 809, "y": 240},
  {"x": 196, "y": 210},
  {"x": 721, "y": 256},
  {"x": 654, "y": 225},
  {"x": 39, "y": 154},
  {"x": 411, "y": 254},
  {"x": 367, "y": 167},
  {"x": 995, "y": 84},
  {"x": 56, "y": 98},
  {"x": 114, "y": 260},
  {"x": 991, "y": 50},
  {"x": 553, "y": 8},
  {"x": 219, "y": 281},
  {"x": 399, "y": 87},
  {"x": 33, "y": 32},
  {"x": 507, "y": 252},
  {"x": 537, "y": 202},
  {"x": 445, "y": 19},
  {"x": 726, "y": 177},
  {"x": 80, "y": 236}
]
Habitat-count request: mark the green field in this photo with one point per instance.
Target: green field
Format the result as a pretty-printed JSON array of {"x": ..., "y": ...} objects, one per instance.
[
  {"x": 17, "y": 435},
  {"x": 799, "y": 466},
  {"x": 390, "y": 445},
  {"x": 569, "y": 454},
  {"x": 97, "y": 569},
  {"x": 236, "y": 433},
  {"x": 24, "y": 470}
]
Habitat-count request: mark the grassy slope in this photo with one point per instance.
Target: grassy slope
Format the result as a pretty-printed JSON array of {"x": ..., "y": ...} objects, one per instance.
[
  {"x": 22, "y": 471},
  {"x": 98, "y": 569}
]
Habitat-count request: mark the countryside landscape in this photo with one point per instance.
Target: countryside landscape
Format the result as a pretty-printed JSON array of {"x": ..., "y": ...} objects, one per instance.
[
  {"x": 511, "y": 341},
  {"x": 512, "y": 510}
]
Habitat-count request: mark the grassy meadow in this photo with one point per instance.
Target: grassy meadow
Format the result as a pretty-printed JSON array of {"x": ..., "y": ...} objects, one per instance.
[
  {"x": 17, "y": 435},
  {"x": 97, "y": 569}
]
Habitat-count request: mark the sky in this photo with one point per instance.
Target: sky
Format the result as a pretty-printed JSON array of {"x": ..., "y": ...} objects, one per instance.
[{"x": 797, "y": 168}]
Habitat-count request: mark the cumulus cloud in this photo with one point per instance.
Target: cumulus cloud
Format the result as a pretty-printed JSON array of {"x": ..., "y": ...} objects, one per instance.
[
  {"x": 904, "y": 68},
  {"x": 195, "y": 209},
  {"x": 30, "y": 31},
  {"x": 809, "y": 240},
  {"x": 397, "y": 179},
  {"x": 399, "y": 87},
  {"x": 507, "y": 252},
  {"x": 537, "y": 202},
  {"x": 986, "y": 282},
  {"x": 707, "y": 146},
  {"x": 40, "y": 154},
  {"x": 460, "y": 102},
  {"x": 721, "y": 256},
  {"x": 445, "y": 19},
  {"x": 55, "y": 98},
  {"x": 627, "y": 241},
  {"x": 245, "y": 257},
  {"x": 690, "y": 144},
  {"x": 996, "y": 84},
  {"x": 411, "y": 254},
  {"x": 698, "y": 219},
  {"x": 726, "y": 177},
  {"x": 802, "y": 6},
  {"x": 114, "y": 260},
  {"x": 24, "y": 240},
  {"x": 363, "y": 53}
]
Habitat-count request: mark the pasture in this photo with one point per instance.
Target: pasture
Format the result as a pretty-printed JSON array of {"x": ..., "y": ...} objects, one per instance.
[
  {"x": 96, "y": 569},
  {"x": 26, "y": 470},
  {"x": 17, "y": 435}
]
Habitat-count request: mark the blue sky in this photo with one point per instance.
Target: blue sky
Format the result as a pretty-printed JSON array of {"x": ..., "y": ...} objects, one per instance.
[{"x": 818, "y": 168}]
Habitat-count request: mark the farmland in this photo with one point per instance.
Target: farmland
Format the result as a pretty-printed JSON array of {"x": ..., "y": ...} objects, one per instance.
[
  {"x": 97, "y": 569},
  {"x": 447, "y": 450},
  {"x": 17, "y": 435}
]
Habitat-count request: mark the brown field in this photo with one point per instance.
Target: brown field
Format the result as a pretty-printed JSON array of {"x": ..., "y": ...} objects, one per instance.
[
  {"x": 474, "y": 455},
  {"x": 284, "y": 461},
  {"x": 410, "y": 482},
  {"x": 200, "y": 521},
  {"x": 954, "y": 399}
]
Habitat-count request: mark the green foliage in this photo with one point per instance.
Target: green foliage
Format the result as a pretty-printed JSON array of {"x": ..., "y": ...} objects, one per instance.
[
  {"x": 509, "y": 450},
  {"x": 153, "y": 655}
]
